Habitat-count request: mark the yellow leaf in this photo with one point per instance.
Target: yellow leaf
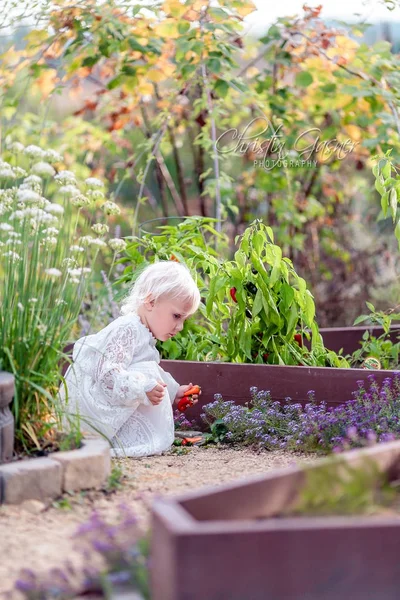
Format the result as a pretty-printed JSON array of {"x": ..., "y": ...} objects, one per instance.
[
  {"x": 174, "y": 8},
  {"x": 168, "y": 28},
  {"x": 145, "y": 88},
  {"x": 46, "y": 82},
  {"x": 245, "y": 8},
  {"x": 155, "y": 75},
  {"x": 354, "y": 132}
]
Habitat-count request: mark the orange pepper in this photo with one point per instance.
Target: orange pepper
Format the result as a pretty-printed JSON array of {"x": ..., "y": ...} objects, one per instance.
[{"x": 195, "y": 389}]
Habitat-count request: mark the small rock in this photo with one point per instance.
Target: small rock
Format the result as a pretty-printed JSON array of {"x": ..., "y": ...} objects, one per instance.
[
  {"x": 33, "y": 506},
  {"x": 188, "y": 434}
]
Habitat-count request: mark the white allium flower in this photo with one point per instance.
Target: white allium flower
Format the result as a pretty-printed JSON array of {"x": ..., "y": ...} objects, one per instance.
[
  {"x": 6, "y": 172},
  {"x": 14, "y": 234},
  {"x": 93, "y": 182},
  {"x": 65, "y": 178},
  {"x": 12, "y": 241},
  {"x": 12, "y": 255},
  {"x": 27, "y": 195},
  {"x": 100, "y": 228},
  {"x": 74, "y": 280},
  {"x": 110, "y": 208},
  {"x": 19, "y": 172},
  {"x": 52, "y": 272},
  {"x": 80, "y": 200},
  {"x": 61, "y": 301},
  {"x": 20, "y": 306},
  {"x": 16, "y": 147},
  {"x": 18, "y": 214},
  {"x": 51, "y": 231},
  {"x": 54, "y": 209},
  {"x": 86, "y": 240},
  {"x": 49, "y": 242},
  {"x": 69, "y": 262},
  {"x": 33, "y": 300},
  {"x": 99, "y": 243},
  {"x": 52, "y": 156},
  {"x": 32, "y": 182},
  {"x": 69, "y": 190},
  {"x": 95, "y": 194},
  {"x": 6, "y": 227},
  {"x": 43, "y": 168},
  {"x": 77, "y": 249},
  {"x": 117, "y": 244},
  {"x": 34, "y": 152},
  {"x": 42, "y": 328},
  {"x": 74, "y": 272}
]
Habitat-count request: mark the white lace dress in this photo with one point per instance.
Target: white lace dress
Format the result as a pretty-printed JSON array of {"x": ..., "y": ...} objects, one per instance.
[{"x": 107, "y": 383}]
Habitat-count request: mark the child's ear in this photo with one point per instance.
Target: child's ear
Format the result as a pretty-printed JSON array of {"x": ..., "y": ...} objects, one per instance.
[{"x": 149, "y": 302}]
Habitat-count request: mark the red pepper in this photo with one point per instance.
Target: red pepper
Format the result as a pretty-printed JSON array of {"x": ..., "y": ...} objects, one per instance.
[
  {"x": 173, "y": 257},
  {"x": 184, "y": 403},
  {"x": 298, "y": 339},
  {"x": 232, "y": 292}
]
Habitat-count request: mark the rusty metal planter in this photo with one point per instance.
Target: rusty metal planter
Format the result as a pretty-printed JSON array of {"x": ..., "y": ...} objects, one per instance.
[{"x": 224, "y": 544}]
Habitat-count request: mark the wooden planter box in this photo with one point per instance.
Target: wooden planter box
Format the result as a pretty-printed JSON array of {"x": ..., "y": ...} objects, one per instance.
[
  {"x": 349, "y": 338},
  {"x": 233, "y": 381},
  {"x": 6, "y": 417},
  {"x": 223, "y": 543}
]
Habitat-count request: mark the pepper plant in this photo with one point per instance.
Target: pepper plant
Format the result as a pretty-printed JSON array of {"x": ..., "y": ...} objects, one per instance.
[{"x": 255, "y": 308}]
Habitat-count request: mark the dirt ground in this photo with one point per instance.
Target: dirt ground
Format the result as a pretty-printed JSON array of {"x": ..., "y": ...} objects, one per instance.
[{"x": 38, "y": 535}]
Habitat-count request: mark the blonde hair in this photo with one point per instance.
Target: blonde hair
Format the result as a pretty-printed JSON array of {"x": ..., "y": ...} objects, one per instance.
[{"x": 164, "y": 278}]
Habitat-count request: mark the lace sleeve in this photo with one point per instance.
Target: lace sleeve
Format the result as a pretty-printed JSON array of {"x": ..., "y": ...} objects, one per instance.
[{"x": 121, "y": 387}]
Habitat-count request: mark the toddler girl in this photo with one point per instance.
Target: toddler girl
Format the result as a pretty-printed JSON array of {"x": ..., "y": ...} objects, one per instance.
[{"x": 115, "y": 382}]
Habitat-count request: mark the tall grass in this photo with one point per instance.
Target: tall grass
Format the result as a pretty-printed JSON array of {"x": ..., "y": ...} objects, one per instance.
[{"x": 52, "y": 228}]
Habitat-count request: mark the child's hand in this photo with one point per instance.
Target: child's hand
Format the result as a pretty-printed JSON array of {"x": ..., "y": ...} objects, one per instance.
[
  {"x": 157, "y": 393},
  {"x": 181, "y": 392}
]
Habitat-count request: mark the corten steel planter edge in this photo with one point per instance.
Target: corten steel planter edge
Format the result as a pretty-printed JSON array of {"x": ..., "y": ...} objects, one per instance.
[{"x": 243, "y": 560}]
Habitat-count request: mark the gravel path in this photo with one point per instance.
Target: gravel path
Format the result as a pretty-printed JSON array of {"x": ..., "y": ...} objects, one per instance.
[{"x": 38, "y": 535}]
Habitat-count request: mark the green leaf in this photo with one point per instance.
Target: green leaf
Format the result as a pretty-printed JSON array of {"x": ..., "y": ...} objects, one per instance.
[
  {"x": 183, "y": 27},
  {"x": 293, "y": 318},
  {"x": 257, "y": 304},
  {"x": 385, "y": 202},
  {"x": 386, "y": 170},
  {"x": 310, "y": 309},
  {"x": 114, "y": 82},
  {"x": 379, "y": 185},
  {"x": 393, "y": 203},
  {"x": 287, "y": 294},
  {"x": 304, "y": 79},
  {"x": 370, "y": 306},
  {"x": 221, "y": 87},
  {"x": 214, "y": 65},
  {"x": 361, "y": 319}
]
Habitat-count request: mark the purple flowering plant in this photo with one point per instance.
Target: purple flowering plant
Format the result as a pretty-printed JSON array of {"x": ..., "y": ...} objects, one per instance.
[
  {"x": 125, "y": 553},
  {"x": 372, "y": 415}
]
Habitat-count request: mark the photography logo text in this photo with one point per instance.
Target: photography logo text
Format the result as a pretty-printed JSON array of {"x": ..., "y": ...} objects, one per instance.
[{"x": 307, "y": 150}]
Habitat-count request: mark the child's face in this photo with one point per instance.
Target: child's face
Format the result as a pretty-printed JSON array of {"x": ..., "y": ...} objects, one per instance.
[{"x": 165, "y": 318}]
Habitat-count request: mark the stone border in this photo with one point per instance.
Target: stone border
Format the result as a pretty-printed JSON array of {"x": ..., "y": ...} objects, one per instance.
[{"x": 87, "y": 467}]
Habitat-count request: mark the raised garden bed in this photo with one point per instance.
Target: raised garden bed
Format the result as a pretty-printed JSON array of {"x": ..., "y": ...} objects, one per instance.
[
  {"x": 225, "y": 542},
  {"x": 6, "y": 417},
  {"x": 233, "y": 381},
  {"x": 349, "y": 338}
]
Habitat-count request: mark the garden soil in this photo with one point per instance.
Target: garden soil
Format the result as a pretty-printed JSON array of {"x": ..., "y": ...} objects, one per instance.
[{"x": 38, "y": 535}]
